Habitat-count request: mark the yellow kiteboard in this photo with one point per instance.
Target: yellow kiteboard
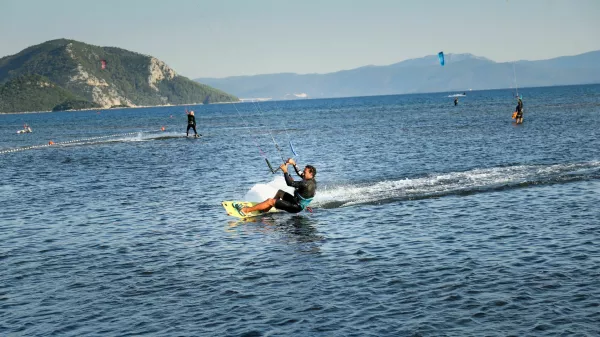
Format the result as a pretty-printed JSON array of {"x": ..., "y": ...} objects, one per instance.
[{"x": 228, "y": 205}]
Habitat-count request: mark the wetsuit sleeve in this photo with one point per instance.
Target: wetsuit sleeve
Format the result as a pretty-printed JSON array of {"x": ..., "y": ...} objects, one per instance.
[
  {"x": 297, "y": 172},
  {"x": 290, "y": 182}
]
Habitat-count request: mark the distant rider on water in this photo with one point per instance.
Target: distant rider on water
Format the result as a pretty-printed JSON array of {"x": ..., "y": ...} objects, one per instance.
[
  {"x": 191, "y": 124},
  {"x": 519, "y": 110}
]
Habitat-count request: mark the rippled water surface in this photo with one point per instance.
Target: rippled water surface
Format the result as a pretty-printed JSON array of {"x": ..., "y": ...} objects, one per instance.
[{"x": 429, "y": 219}]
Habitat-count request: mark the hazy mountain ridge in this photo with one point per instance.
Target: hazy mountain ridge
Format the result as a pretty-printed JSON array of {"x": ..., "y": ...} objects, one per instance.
[{"x": 461, "y": 73}]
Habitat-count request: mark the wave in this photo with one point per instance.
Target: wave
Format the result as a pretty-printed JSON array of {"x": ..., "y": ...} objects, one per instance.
[
  {"x": 454, "y": 183},
  {"x": 141, "y": 136}
]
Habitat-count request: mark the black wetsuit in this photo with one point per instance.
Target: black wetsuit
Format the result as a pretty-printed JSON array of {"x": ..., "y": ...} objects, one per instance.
[
  {"x": 304, "y": 191},
  {"x": 519, "y": 109},
  {"x": 455, "y": 101},
  {"x": 191, "y": 124}
]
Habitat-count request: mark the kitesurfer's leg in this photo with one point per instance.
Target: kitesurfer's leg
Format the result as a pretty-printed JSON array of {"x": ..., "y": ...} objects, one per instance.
[
  {"x": 280, "y": 194},
  {"x": 264, "y": 206},
  {"x": 288, "y": 204}
]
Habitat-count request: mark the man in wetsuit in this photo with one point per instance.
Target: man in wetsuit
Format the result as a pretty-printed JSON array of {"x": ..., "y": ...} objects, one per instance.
[
  {"x": 304, "y": 192},
  {"x": 456, "y": 101},
  {"x": 191, "y": 124},
  {"x": 519, "y": 109}
]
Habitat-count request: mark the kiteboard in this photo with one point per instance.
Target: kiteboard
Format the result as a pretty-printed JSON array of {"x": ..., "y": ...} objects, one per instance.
[{"x": 228, "y": 205}]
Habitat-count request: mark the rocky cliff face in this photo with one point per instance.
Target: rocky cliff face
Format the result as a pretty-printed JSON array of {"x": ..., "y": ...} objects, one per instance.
[
  {"x": 102, "y": 93},
  {"x": 158, "y": 72}
]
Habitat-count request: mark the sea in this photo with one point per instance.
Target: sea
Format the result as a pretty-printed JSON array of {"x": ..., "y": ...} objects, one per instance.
[{"x": 430, "y": 219}]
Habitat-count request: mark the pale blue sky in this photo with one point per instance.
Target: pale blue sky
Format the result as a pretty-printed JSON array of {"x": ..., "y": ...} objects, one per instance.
[{"x": 233, "y": 37}]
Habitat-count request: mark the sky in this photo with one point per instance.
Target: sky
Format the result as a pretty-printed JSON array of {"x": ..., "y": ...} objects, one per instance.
[{"x": 219, "y": 38}]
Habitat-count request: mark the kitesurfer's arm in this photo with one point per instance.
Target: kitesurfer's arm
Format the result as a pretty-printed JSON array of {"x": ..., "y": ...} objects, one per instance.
[
  {"x": 293, "y": 162},
  {"x": 288, "y": 179}
]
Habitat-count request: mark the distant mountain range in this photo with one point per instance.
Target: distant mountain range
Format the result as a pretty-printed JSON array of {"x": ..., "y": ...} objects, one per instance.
[
  {"x": 66, "y": 74},
  {"x": 461, "y": 72}
]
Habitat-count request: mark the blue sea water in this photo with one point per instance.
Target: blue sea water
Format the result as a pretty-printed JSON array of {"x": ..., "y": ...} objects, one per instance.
[{"x": 429, "y": 220}]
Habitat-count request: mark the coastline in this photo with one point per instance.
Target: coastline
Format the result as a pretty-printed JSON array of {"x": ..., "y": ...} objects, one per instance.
[{"x": 104, "y": 109}]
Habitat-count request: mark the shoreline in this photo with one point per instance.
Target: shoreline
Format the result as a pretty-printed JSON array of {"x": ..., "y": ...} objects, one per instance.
[
  {"x": 308, "y": 98},
  {"x": 119, "y": 108}
]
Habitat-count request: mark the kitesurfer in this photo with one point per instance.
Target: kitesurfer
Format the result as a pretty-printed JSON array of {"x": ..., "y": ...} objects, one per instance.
[
  {"x": 26, "y": 129},
  {"x": 304, "y": 192},
  {"x": 455, "y": 101},
  {"x": 191, "y": 124},
  {"x": 519, "y": 110}
]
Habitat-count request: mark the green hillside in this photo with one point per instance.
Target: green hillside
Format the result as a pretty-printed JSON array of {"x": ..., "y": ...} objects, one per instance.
[
  {"x": 35, "y": 93},
  {"x": 102, "y": 76}
]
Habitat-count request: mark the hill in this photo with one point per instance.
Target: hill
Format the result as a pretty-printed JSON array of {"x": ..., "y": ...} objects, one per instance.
[
  {"x": 83, "y": 75},
  {"x": 461, "y": 73},
  {"x": 34, "y": 93}
]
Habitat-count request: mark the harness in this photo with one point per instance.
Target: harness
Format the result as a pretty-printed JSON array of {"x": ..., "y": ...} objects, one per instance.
[{"x": 303, "y": 202}]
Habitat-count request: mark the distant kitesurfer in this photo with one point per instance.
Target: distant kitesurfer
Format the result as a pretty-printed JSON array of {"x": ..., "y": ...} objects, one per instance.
[
  {"x": 519, "y": 110},
  {"x": 26, "y": 129},
  {"x": 191, "y": 124},
  {"x": 455, "y": 101},
  {"x": 304, "y": 192}
]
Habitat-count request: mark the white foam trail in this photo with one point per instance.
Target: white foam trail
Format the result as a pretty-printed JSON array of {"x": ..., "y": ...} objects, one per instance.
[
  {"x": 124, "y": 137},
  {"x": 261, "y": 192},
  {"x": 447, "y": 183},
  {"x": 427, "y": 186}
]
